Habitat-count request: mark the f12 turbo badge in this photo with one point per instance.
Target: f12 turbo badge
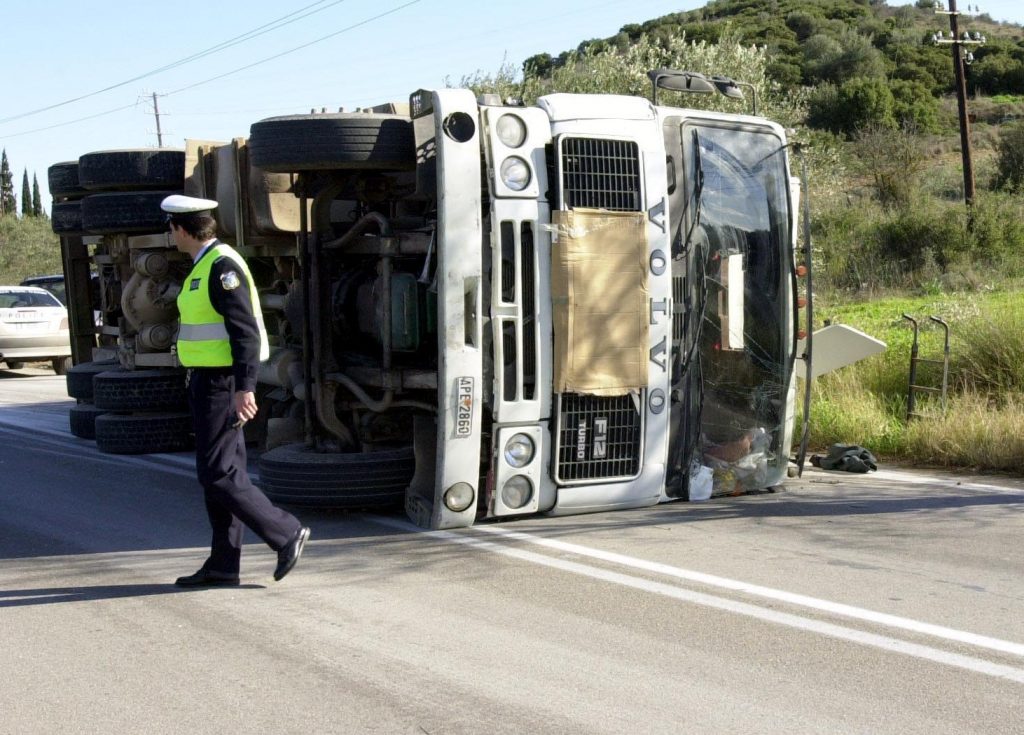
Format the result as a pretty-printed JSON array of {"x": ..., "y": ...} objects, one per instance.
[{"x": 230, "y": 281}]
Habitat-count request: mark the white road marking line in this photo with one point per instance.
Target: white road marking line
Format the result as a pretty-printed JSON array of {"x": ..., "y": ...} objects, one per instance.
[
  {"x": 915, "y": 479},
  {"x": 91, "y": 453},
  {"x": 792, "y": 598},
  {"x": 873, "y": 640}
]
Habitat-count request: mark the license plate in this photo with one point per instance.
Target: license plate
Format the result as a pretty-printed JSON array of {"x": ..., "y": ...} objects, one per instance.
[{"x": 464, "y": 407}]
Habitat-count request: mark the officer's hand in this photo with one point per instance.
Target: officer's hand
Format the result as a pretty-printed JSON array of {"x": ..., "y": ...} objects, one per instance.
[{"x": 245, "y": 405}]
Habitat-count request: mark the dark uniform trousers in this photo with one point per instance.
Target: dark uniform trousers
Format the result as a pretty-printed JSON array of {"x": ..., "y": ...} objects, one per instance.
[{"x": 231, "y": 498}]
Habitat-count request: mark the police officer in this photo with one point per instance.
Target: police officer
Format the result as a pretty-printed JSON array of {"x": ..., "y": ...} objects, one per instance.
[{"x": 221, "y": 341}]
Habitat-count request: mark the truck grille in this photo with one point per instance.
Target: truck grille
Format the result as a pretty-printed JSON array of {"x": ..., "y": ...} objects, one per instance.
[
  {"x": 598, "y": 438},
  {"x": 600, "y": 174}
]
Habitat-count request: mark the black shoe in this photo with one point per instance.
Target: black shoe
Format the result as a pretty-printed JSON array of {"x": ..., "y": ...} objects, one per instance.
[
  {"x": 208, "y": 578},
  {"x": 290, "y": 554}
]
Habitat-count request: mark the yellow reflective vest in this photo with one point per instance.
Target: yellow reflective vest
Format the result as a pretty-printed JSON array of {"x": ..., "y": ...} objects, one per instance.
[{"x": 202, "y": 337}]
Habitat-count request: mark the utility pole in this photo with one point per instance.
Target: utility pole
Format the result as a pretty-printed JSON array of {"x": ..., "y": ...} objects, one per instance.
[
  {"x": 960, "y": 58},
  {"x": 156, "y": 113},
  {"x": 961, "y": 103}
]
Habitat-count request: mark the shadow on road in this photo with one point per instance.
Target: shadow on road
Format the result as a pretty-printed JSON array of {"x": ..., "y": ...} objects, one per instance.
[{"x": 51, "y": 595}]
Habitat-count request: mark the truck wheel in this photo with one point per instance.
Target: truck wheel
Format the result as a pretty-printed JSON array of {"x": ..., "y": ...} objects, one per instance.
[
  {"x": 124, "y": 212},
  {"x": 63, "y": 180},
  {"x": 296, "y": 474},
  {"x": 351, "y": 141},
  {"x": 66, "y": 218},
  {"x": 14, "y": 364},
  {"x": 143, "y": 433},
  {"x": 143, "y": 168},
  {"x": 140, "y": 390},
  {"x": 61, "y": 365},
  {"x": 82, "y": 418},
  {"x": 79, "y": 377}
]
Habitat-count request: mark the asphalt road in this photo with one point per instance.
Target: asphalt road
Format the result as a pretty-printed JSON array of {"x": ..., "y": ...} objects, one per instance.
[{"x": 890, "y": 603}]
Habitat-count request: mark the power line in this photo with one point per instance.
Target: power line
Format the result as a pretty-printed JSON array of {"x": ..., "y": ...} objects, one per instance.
[
  {"x": 225, "y": 74},
  {"x": 293, "y": 50},
  {"x": 247, "y": 36},
  {"x": 70, "y": 122}
]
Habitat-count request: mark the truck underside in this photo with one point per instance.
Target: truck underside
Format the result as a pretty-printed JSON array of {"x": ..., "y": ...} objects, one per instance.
[{"x": 476, "y": 310}]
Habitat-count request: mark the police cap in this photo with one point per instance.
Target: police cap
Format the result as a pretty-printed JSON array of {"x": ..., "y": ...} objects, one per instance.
[{"x": 181, "y": 204}]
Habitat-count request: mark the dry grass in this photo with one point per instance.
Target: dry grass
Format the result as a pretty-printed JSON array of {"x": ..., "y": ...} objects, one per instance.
[
  {"x": 983, "y": 424},
  {"x": 974, "y": 432}
]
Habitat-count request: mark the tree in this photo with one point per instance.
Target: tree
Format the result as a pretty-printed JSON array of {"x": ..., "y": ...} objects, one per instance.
[
  {"x": 37, "y": 202},
  {"x": 538, "y": 65},
  {"x": 8, "y": 204},
  {"x": 26, "y": 195}
]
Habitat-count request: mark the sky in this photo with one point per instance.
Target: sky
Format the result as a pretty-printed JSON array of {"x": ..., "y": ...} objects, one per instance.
[{"x": 93, "y": 64}]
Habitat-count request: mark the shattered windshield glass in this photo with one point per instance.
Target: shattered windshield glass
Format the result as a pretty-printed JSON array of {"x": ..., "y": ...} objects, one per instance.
[{"x": 740, "y": 228}]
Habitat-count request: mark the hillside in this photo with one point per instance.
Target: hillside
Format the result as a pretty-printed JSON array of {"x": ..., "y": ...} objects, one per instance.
[{"x": 813, "y": 41}]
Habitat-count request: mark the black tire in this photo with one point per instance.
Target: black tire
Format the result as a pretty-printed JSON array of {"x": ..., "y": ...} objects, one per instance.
[
  {"x": 79, "y": 378},
  {"x": 140, "y": 390},
  {"x": 61, "y": 365},
  {"x": 14, "y": 364},
  {"x": 63, "y": 180},
  {"x": 352, "y": 141},
  {"x": 143, "y": 433},
  {"x": 125, "y": 212},
  {"x": 66, "y": 218},
  {"x": 126, "y": 170},
  {"x": 83, "y": 420},
  {"x": 295, "y": 474}
]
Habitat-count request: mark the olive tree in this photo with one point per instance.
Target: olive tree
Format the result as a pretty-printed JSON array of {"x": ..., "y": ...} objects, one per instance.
[{"x": 609, "y": 70}]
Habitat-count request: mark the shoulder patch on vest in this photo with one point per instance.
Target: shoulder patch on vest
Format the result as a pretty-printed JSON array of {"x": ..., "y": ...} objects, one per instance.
[
  {"x": 194, "y": 286},
  {"x": 230, "y": 281}
]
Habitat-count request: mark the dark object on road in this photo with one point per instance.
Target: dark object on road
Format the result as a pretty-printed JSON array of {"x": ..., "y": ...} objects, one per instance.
[{"x": 846, "y": 457}]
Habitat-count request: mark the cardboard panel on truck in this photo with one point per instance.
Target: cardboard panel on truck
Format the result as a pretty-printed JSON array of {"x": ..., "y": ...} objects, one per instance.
[{"x": 599, "y": 301}]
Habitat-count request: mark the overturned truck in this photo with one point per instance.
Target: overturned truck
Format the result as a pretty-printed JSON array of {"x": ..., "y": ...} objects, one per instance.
[{"x": 484, "y": 310}]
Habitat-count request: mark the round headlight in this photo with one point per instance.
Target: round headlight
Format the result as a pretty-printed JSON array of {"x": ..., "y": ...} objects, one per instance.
[
  {"x": 511, "y": 130},
  {"x": 515, "y": 173},
  {"x": 519, "y": 451},
  {"x": 459, "y": 496},
  {"x": 517, "y": 492}
]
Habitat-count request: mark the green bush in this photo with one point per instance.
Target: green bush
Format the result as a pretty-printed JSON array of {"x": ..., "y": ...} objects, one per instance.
[
  {"x": 996, "y": 234},
  {"x": 1010, "y": 158},
  {"x": 857, "y": 103},
  {"x": 914, "y": 106}
]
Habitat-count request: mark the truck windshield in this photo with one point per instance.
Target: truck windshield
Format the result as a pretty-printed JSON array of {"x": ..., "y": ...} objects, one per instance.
[{"x": 740, "y": 232}]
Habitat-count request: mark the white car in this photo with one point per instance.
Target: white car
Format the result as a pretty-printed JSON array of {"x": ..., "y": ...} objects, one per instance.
[{"x": 33, "y": 328}]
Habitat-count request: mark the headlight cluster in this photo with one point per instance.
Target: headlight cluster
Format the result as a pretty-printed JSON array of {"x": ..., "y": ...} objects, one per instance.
[
  {"x": 518, "y": 490},
  {"x": 514, "y": 170}
]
